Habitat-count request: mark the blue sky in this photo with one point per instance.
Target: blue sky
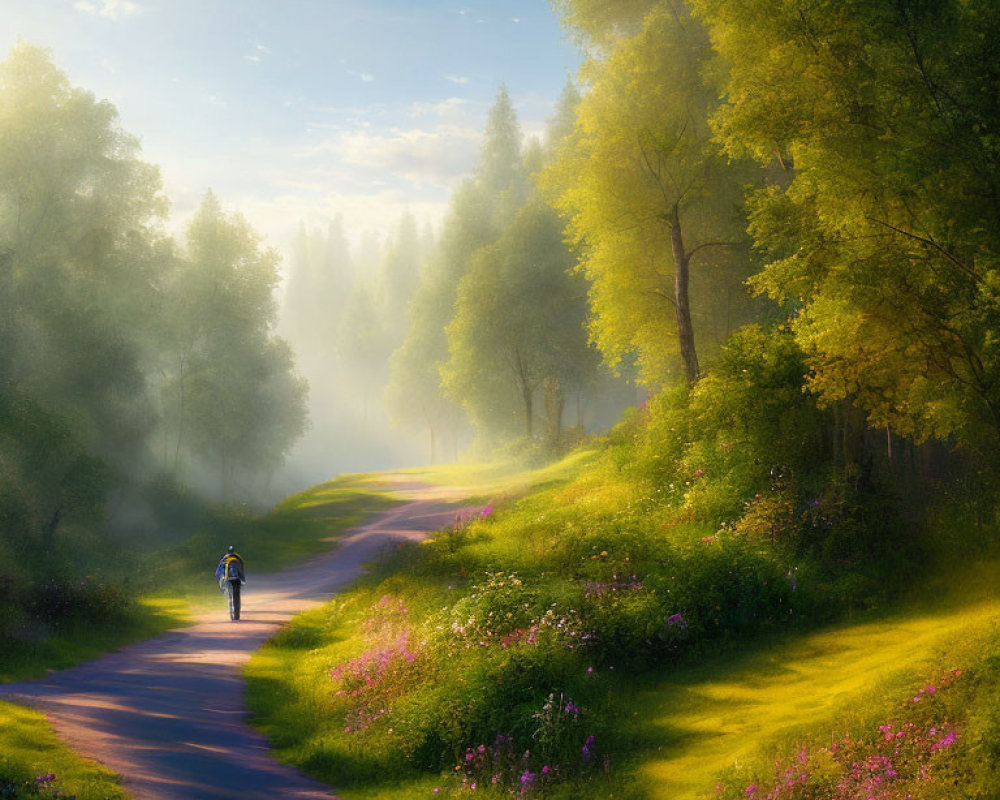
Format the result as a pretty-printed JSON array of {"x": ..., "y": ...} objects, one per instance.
[{"x": 302, "y": 109}]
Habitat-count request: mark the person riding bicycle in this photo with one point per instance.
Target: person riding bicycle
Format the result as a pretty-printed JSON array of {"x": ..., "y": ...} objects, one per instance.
[{"x": 231, "y": 574}]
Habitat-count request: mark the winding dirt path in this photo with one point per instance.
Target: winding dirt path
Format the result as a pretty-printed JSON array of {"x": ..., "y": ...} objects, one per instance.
[{"x": 168, "y": 714}]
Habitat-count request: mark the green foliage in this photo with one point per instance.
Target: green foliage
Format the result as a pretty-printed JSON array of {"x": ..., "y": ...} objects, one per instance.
[
  {"x": 496, "y": 322},
  {"x": 653, "y": 205},
  {"x": 232, "y": 393},
  {"x": 518, "y": 326},
  {"x": 882, "y": 232}
]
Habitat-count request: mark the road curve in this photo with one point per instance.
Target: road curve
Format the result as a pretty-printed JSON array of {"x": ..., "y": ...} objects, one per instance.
[{"x": 168, "y": 714}]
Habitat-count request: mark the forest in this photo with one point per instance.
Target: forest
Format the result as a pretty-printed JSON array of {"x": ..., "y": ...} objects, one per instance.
[{"x": 717, "y": 356}]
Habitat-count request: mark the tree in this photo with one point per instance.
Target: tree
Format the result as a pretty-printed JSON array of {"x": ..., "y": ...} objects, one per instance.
[
  {"x": 653, "y": 204},
  {"x": 884, "y": 237},
  {"x": 518, "y": 326},
  {"x": 79, "y": 230},
  {"x": 479, "y": 209},
  {"x": 232, "y": 387}
]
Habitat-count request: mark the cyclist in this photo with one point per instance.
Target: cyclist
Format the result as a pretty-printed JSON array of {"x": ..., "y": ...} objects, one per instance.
[{"x": 231, "y": 574}]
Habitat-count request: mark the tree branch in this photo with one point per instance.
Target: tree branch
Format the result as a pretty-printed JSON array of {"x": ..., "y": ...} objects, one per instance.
[{"x": 930, "y": 243}]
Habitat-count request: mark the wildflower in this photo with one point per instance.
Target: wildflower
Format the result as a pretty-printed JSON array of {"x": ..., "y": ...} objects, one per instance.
[
  {"x": 527, "y": 777},
  {"x": 545, "y": 770},
  {"x": 590, "y": 670},
  {"x": 585, "y": 750},
  {"x": 487, "y": 510},
  {"x": 946, "y": 741},
  {"x": 751, "y": 790},
  {"x": 676, "y": 619},
  {"x": 436, "y": 790}
]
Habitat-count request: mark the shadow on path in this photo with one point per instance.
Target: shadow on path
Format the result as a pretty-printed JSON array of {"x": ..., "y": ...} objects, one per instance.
[{"x": 168, "y": 714}]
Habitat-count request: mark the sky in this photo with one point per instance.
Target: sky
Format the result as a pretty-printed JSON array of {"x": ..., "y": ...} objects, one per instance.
[{"x": 294, "y": 111}]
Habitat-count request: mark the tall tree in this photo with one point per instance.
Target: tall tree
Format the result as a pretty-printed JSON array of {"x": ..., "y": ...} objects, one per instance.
[
  {"x": 235, "y": 397},
  {"x": 479, "y": 209},
  {"x": 79, "y": 227},
  {"x": 519, "y": 326},
  {"x": 653, "y": 204},
  {"x": 885, "y": 237}
]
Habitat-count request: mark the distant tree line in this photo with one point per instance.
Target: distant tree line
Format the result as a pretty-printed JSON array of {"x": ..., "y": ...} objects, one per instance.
[{"x": 129, "y": 358}]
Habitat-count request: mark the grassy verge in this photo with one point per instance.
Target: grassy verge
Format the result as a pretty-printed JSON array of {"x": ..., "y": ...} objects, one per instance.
[
  {"x": 179, "y": 583},
  {"x": 34, "y": 763},
  {"x": 83, "y": 641},
  {"x": 503, "y": 479},
  {"x": 732, "y": 718}
]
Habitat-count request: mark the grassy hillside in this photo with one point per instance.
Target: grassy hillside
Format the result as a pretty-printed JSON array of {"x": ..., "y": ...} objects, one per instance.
[
  {"x": 705, "y": 594},
  {"x": 531, "y": 631}
]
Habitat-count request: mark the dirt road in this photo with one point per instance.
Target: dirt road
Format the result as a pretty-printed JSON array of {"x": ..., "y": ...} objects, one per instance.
[{"x": 168, "y": 714}]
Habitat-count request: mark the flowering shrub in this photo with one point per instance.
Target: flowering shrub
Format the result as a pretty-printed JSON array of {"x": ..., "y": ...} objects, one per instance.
[
  {"x": 895, "y": 764},
  {"x": 502, "y": 610},
  {"x": 502, "y": 767},
  {"x": 373, "y": 680}
]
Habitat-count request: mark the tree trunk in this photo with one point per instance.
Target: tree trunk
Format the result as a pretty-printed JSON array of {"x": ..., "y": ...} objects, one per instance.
[
  {"x": 554, "y": 402},
  {"x": 181, "y": 411},
  {"x": 528, "y": 414},
  {"x": 685, "y": 330}
]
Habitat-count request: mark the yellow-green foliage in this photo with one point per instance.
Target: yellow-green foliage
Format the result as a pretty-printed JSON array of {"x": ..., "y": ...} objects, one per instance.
[{"x": 29, "y": 749}]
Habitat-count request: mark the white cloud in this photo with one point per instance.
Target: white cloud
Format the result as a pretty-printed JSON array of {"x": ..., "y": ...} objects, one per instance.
[
  {"x": 434, "y": 157},
  {"x": 364, "y": 77},
  {"x": 461, "y": 80},
  {"x": 259, "y": 51},
  {"x": 451, "y": 108},
  {"x": 110, "y": 9}
]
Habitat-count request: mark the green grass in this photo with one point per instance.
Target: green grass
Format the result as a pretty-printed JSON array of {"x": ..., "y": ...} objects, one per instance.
[
  {"x": 297, "y": 528},
  {"x": 29, "y": 749},
  {"x": 504, "y": 477},
  {"x": 71, "y": 645},
  {"x": 701, "y": 721}
]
